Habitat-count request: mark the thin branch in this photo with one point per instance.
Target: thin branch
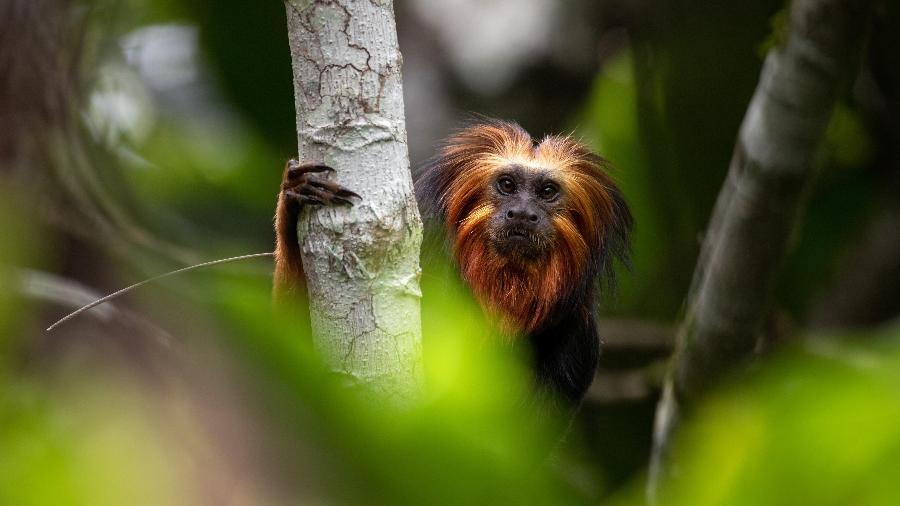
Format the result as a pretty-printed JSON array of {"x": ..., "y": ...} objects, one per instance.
[
  {"x": 637, "y": 335},
  {"x": 758, "y": 207},
  {"x": 127, "y": 289},
  {"x": 47, "y": 287}
]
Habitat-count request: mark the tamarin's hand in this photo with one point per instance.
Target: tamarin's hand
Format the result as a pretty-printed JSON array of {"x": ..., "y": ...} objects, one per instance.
[{"x": 300, "y": 185}]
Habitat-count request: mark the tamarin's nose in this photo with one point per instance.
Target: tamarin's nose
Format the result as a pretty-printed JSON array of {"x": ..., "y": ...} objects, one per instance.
[{"x": 522, "y": 214}]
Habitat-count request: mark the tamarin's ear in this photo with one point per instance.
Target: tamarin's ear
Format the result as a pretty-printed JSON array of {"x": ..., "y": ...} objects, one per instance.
[
  {"x": 617, "y": 243},
  {"x": 430, "y": 185},
  {"x": 463, "y": 164}
]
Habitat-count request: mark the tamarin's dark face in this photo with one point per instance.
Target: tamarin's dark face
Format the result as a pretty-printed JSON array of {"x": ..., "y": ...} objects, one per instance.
[
  {"x": 530, "y": 222},
  {"x": 524, "y": 198}
]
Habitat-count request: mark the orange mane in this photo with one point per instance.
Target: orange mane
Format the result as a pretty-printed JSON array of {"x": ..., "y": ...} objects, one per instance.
[{"x": 523, "y": 297}]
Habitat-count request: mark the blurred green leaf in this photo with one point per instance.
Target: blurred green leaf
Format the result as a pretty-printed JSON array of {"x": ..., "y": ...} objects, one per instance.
[{"x": 816, "y": 426}]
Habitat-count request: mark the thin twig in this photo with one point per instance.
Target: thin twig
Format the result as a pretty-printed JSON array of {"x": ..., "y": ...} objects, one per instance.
[{"x": 127, "y": 289}]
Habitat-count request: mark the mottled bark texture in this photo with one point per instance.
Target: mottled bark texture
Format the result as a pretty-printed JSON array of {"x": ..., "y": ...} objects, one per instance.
[
  {"x": 759, "y": 204},
  {"x": 361, "y": 262}
]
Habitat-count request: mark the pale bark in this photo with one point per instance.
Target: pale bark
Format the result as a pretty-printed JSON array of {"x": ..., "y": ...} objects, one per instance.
[
  {"x": 759, "y": 204},
  {"x": 361, "y": 263}
]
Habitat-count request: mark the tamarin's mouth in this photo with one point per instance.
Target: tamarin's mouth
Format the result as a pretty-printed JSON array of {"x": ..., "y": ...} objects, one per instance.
[
  {"x": 516, "y": 233},
  {"x": 521, "y": 244}
]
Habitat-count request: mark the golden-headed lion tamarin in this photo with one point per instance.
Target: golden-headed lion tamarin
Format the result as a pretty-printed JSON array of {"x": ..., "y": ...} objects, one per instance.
[{"x": 532, "y": 225}]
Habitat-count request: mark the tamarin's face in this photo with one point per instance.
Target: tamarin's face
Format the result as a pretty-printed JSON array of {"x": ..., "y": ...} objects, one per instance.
[
  {"x": 531, "y": 223},
  {"x": 524, "y": 199}
]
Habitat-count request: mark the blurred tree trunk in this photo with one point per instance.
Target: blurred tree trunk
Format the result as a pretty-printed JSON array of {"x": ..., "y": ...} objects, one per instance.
[
  {"x": 46, "y": 153},
  {"x": 361, "y": 263},
  {"x": 759, "y": 204}
]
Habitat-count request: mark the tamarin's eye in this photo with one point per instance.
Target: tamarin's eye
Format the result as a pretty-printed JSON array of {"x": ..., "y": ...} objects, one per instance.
[
  {"x": 548, "y": 192},
  {"x": 506, "y": 185}
]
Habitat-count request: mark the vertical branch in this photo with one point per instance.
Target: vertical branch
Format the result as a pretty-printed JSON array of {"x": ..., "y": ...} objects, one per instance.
[
  {"x": 758, "y": 206},
  {"x": 361, "y": 263}
]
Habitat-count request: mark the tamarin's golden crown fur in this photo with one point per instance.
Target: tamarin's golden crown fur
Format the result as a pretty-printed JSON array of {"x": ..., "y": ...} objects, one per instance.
[{"x": 589, "y": 221}]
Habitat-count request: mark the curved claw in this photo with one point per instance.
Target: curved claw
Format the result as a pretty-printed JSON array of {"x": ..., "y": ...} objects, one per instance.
[
  {"x": 333, "y": 188},
  {"x": 304, "y": 199},
  {"x": 296, "y": 169},
  {"x": 325, "y": 196}
]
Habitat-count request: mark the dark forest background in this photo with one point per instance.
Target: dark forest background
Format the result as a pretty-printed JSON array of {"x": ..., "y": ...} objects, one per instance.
[{"x": 140, "y": 136}]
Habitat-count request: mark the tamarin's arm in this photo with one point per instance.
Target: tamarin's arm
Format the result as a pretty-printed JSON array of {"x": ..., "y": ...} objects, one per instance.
[{"x": 300, "y": 185}]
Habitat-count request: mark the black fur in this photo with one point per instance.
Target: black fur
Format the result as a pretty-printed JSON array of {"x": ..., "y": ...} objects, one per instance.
[{"x": 566, "y": 350}]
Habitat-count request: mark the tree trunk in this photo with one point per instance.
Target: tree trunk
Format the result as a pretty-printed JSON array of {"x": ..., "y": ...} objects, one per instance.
[
  {"x": 361, "y": 263},
  {"x": 759, "y": 204}
]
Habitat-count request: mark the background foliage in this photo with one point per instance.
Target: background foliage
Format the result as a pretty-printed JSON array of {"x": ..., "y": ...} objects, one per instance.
[{"x": 170, "y": 148}]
